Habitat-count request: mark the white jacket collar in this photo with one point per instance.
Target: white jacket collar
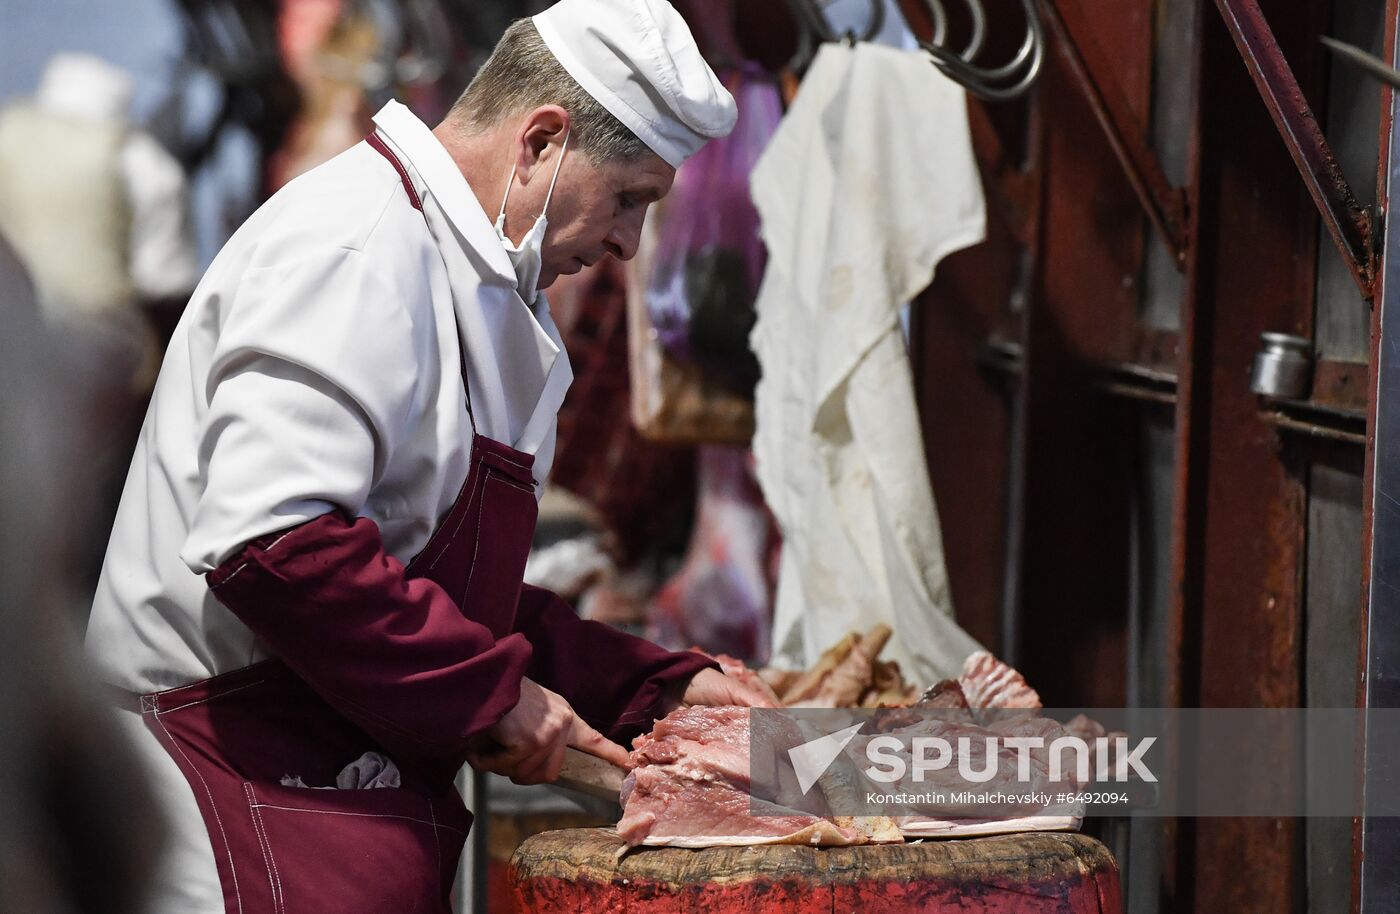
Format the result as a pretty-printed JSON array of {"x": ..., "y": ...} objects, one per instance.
[{"x": 445, "y": 182}]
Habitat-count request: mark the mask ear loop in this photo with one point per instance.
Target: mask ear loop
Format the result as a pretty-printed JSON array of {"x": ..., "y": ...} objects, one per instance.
[
  {"x": 510, "y": 175},
  {"x": 548, "y": 194}
]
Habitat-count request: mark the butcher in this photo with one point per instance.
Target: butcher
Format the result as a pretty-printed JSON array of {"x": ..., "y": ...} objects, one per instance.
[{"x": 311, "y": 613}]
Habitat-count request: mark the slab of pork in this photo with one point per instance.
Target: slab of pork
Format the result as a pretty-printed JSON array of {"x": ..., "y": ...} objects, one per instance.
[{"x": 690, "y": 788}]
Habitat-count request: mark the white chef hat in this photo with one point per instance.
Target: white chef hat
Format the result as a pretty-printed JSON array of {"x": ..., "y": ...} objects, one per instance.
[{"x": 638, "y": 59}]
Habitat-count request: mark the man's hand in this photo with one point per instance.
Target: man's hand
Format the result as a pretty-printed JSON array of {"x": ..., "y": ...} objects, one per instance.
[
  {"x": 711, "y": 687},
  {"x": 527, "y": 744}
]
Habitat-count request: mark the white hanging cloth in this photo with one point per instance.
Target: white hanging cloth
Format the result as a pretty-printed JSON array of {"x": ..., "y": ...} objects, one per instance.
[{"x": 869, "y": 182}]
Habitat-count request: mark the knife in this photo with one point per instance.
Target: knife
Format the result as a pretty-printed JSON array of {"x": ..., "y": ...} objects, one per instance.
[{"x": 590, "y": 775}]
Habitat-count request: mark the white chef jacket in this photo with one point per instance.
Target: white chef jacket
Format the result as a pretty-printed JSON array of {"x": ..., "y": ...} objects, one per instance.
[{"x": 317, "y": 367}]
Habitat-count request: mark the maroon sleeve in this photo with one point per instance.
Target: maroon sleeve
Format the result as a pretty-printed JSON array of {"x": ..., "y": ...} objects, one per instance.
[
  {"x": 392, "y": 654},
  {"x": 614, "y": 681}
]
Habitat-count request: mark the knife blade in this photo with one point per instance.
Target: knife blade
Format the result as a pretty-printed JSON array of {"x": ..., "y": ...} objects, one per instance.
[{"x": 590, "y": 775}]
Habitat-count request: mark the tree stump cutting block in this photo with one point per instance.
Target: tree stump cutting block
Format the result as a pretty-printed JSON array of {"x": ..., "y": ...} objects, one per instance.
[{"x": 584, "y": 870}]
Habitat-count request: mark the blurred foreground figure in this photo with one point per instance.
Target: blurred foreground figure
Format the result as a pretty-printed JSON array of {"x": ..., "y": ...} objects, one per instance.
[
  {"x": 76, "y": 829},
  {"x": 94, "y": 206},
  {"x": 95, "y": 209}
]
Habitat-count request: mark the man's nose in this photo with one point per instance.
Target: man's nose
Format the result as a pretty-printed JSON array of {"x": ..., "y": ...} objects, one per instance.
[{"x": 625, "y": 237}]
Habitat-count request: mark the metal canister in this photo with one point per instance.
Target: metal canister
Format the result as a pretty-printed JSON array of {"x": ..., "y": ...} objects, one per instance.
[{"x": 1283, "y": 368}]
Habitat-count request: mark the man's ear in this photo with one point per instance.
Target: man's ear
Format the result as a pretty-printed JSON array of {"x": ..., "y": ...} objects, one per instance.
[{"x": 545, "y": 126}]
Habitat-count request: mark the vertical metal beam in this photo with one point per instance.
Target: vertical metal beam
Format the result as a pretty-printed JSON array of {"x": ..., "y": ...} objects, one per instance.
[
  {"x": 1192, "y": 444},
  {"x": 1380, "y": 837},
  {"x": 1346, "y": 221},
  {"x": 1164, "y": 204},
  {"x": 1241, "y": 504},
  {"x": 1075, "y": 461},
  {"x": 1387, "y": 168}
]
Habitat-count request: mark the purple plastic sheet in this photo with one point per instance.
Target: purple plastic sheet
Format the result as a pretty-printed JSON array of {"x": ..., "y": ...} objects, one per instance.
[{"x": 709, "y": 259}]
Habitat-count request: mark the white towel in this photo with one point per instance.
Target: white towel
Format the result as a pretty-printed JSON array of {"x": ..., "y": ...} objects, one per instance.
[{"x": 868, "y": 183}]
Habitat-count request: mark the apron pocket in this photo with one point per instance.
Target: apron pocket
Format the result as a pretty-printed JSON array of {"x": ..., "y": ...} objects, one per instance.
[{"x": 352, "y": 851}]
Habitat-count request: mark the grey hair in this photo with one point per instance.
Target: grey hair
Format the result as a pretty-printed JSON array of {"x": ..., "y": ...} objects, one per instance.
[{"x": 521, "y": 74}]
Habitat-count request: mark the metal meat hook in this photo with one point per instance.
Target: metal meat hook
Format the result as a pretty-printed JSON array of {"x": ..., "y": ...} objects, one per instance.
[
  {"x": 1362, "y": 60},
  {"x": 985, "y": 82},
  {"x": 977, "y": 14},
  {"x": 812, "y": 29}
]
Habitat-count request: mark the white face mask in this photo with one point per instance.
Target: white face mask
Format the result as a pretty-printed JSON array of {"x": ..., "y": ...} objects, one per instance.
[{"x": 527, "y": 258}]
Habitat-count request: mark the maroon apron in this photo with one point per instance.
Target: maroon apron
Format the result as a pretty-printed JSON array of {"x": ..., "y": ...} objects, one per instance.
[{"x": 235, "y": 736}]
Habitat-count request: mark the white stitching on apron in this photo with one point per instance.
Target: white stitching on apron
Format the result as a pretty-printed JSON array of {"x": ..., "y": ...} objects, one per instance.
[
  {"x": 460, "y": 494},
  {"x": 437, "y": 843},
  {"x": 362, "y": 815},
  {"x": 528, "y": 490},
  {"x": 191, "y": 704},
  {"x": 481, "y": 479},
  {"x": 219, "y": 821},
  {"x": 514, "y": 463},
  {"x": 266, "y": 848},
  {"x": 476, "y": 545}
]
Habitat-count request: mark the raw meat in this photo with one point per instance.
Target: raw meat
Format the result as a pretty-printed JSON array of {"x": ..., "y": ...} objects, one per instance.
[
  {"x": 948, "y": 780},
  {"x": 847, "y": 675},
  {"x": 989, "y": 683},
  {"x": 664, "y": 810},
  {"x": 945, "y": 695},
  {"x": 721, "y": 597},
  {"x": 779, "y": 680},
  {"x": 887, "y": 687},
  {"x": 986, "y": 683},
  {"x": 956, "y": 819},
  {"x": 1088, "y": 729},
  {"x": 690, "y": 788},
  {"x": 692, "y": 777},
  {"x": 842, "y": 675}
]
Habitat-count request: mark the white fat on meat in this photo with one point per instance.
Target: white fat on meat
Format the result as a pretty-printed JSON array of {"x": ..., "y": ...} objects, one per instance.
[{"x": 989, "y": 683}]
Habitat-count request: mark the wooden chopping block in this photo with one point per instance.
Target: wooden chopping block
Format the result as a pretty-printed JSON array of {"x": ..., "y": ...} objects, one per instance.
[{"x": 584, "y": 869}]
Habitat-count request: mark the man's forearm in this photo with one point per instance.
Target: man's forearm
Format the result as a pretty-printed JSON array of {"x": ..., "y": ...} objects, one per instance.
[
  {"x": 392, "y": 654},
  {"x": 617, "y": 682}
]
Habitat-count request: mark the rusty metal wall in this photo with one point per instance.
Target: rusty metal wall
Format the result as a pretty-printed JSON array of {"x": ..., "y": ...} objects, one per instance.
[
  {"x": 1167, "y": 535},
  {"x": 1332, "y": 632},
  {"x": 1176, "y": 23},
  {"x": 1343, "y": 322}
]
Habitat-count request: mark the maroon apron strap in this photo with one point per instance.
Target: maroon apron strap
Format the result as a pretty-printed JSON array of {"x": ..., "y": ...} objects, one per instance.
[{"x": 383, "y": 149}]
